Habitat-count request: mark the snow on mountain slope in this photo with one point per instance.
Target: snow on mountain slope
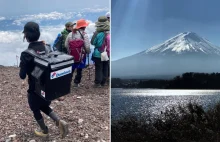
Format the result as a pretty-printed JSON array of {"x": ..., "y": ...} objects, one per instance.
[{"x": 184, "y": 43}]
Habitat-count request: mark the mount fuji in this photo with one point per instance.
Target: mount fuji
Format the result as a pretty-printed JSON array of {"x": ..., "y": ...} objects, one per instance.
[{"x": 186, "y": 52}]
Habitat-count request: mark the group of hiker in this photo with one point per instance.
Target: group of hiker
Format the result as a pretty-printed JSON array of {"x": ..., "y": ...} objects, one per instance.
[{"x": 75, "y": 42}]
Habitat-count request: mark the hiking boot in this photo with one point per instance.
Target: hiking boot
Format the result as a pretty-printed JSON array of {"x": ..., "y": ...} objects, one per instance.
[
  {"x": 63, "y": 127},
  {"x": 75, "y": 85},
  {"x": 97, "y": 86},
  {"x": 41, "y": 133}
]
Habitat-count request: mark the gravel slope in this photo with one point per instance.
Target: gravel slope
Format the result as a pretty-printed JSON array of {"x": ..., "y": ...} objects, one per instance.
[{"x": 86, "y": 109}]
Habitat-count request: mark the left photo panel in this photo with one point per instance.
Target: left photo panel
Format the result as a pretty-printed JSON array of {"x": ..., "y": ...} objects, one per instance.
[{"x": 54, "y": 71}]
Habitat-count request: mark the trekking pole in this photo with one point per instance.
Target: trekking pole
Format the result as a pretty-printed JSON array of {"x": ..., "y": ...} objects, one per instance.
[
  {"x": 88, "y": 66},
  {"x": 17, "y": 60}
]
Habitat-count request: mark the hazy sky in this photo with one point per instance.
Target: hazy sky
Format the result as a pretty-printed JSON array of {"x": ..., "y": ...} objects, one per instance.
[
  {"x": 18, "y": 7},
  {"x": 141, "y": 24}
]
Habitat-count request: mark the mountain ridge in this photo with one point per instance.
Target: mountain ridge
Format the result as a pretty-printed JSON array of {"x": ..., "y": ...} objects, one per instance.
[{"x": 185, "y": 42}]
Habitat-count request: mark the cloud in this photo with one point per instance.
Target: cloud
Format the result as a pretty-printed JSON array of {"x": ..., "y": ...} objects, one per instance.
[
  {"x": 56, "y": 15},
  {"x": 8, "y": 37},
  {"x": 79, "y": 15},
  {"x": 43, "y": 17},
  {"x": 2, "y": 18},
  {"x": 90, "y": 29},
  {"x": 94, "y": 10},
  {"x": 11, "y": 42}
]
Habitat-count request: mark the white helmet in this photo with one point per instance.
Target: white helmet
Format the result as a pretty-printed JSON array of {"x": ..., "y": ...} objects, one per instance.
[{"x": 107, "y": 14}]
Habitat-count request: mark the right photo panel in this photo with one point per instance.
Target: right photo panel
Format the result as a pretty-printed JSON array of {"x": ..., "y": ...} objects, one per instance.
[{"x": 165, "y": 71}]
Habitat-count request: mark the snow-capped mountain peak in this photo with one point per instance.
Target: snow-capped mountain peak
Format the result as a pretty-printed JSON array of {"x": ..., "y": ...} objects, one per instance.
[{"x": 184, "y": 43}]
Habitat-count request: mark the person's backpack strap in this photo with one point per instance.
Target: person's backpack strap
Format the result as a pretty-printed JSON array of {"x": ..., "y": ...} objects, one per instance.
[
  {"x": 81, "y": 35},
  {"x": 33, "y": 53},
  {"x": 72, "y": 35}
]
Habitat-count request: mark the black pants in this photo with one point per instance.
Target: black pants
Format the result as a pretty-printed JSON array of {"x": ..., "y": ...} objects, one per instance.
[
  {"x": 78, "y": 75},
  {"x": 101, "y": 70},
  {"x": 38, "y": 104}
]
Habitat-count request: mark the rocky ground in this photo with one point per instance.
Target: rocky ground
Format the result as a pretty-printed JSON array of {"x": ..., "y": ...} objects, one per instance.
[{"x": 86, "y": 109}]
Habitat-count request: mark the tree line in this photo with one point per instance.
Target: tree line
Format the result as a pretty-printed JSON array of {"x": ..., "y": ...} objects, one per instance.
[{"x": 189, "y": 80}]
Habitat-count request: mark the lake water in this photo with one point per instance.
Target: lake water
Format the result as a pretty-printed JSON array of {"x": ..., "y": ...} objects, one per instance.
[{"x": 153, "y": 101}]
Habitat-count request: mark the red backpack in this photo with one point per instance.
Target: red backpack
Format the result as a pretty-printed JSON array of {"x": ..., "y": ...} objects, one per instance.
[{"x": 76, "y": 49}]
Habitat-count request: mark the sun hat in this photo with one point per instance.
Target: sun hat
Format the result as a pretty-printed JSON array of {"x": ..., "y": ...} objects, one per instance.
[
  {"x": 69, "y": 24},
  {"x": 102, "y": 24},
  {"x": 81, "y": 23},
  {"x": 102, "y": 21}
]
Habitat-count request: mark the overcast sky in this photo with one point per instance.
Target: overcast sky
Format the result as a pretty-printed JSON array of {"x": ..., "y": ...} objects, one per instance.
[
  {"x": 141, "y": 24},
  {"x": 19, "y": 7}
]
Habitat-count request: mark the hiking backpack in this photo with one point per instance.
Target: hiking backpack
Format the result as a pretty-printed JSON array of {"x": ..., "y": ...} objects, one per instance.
[
  {"x": 52, "y": 73},
  {"x": 58, "y": 43},
  {"x": 103, "y": 46},
  {"x": 76, "y": 48}
]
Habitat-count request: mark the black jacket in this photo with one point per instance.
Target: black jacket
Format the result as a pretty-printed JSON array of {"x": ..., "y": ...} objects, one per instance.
[{"x": 27, "y": 64}]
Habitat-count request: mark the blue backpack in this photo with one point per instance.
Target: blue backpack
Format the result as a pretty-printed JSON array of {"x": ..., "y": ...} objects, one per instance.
[{"x": 57, "y": 46}]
